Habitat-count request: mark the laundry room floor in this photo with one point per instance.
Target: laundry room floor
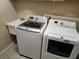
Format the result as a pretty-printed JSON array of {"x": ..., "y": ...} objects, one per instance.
[{"x": 12, "y": 53}]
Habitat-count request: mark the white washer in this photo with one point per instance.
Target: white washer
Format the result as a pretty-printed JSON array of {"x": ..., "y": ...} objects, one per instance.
[
  {"x": 60, "y": 40},
  {"x": 29, "y": 36}
]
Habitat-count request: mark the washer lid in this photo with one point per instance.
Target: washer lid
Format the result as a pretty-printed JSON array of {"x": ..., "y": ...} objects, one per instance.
[{"x": 32, "y": 24}]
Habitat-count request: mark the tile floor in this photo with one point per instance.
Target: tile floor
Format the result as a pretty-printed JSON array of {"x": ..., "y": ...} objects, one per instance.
[{"x": 12, "y": 53}]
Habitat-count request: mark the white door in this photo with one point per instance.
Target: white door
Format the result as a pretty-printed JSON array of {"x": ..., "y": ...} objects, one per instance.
[{"x": 57, "y": 47}]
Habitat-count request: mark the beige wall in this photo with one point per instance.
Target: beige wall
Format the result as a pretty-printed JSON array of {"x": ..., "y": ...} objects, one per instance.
[
  {"x": 67, "y": 8},
  {"x": 7, "y": 14}
]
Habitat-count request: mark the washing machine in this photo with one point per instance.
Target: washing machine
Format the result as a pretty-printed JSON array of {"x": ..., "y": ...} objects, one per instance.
[
  {"x": 29, "y": 36},
  {"x": 60, "y": 40}
]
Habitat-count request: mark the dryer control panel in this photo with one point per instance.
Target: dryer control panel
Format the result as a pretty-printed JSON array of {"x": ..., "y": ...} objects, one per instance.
[{"x": 64, "y": 23}]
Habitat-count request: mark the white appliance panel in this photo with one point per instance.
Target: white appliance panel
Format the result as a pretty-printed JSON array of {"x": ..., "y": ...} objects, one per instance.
[
  {"x": 29, "y": 43},
  {"x": 48, "y": 55}
]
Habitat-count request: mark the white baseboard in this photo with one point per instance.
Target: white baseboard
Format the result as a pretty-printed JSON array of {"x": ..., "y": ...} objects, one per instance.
[{"x": 2, "y": 52}]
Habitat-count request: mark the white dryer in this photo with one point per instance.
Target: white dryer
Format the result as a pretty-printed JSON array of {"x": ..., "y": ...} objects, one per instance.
[{"x": 60, "y": 40}]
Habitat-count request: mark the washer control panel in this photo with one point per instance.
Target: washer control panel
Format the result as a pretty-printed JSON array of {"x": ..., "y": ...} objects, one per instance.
[{"x": 37, "y": 18}]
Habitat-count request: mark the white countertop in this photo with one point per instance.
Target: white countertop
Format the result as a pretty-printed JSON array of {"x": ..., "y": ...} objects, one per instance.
[{"x": 15, "y": 22}]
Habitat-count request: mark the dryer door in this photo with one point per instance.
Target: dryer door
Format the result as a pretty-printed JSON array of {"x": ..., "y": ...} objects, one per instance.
[{"x": 57, "y": 46}]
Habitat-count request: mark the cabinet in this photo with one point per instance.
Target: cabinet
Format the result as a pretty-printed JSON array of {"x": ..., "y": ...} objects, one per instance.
[{"x": 11, "y": 26}]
